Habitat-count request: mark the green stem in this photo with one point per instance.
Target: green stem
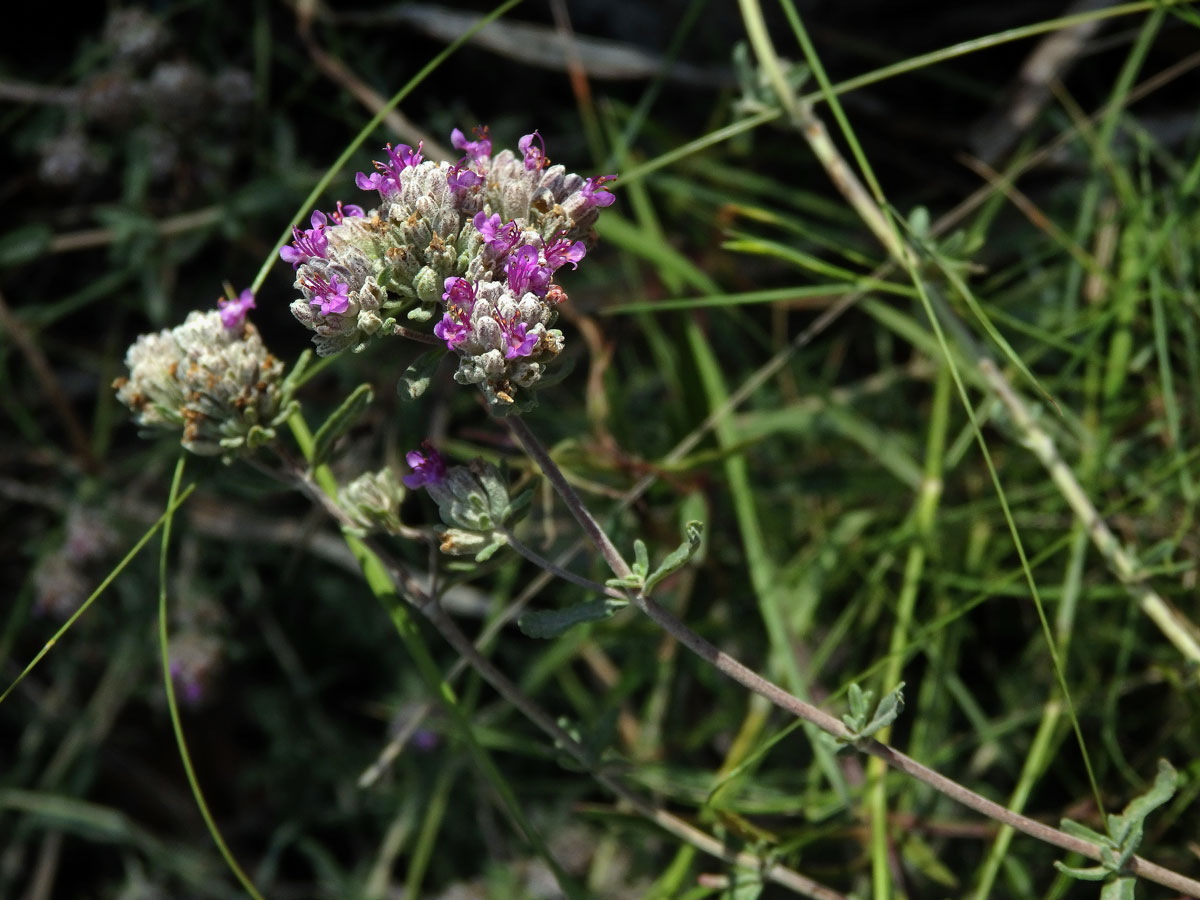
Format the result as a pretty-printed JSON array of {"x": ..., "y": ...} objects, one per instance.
[
  {"x": 924, "y": 518},
  {"x": 173, "y": 707}
]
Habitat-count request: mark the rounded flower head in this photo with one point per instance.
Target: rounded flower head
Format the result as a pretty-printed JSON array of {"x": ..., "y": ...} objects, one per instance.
[
  {"x": 467, "y": 250},
  {"x": 218, "y": 386}
]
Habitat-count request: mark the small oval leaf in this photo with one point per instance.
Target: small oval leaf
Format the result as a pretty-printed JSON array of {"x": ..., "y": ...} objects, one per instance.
[
  {"x": 419, "y": 375},
  {"x": 550, "y": 623}
]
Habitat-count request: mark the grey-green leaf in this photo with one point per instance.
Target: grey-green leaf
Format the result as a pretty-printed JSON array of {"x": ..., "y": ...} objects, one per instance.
[
  {"x": 889, "y": 708},
  {"x": 550, "y": 623},
  {"x": 419, "y": 375},
  {"x": 340, "y": 422},
  {"x": 679, "y": 557},
  {"x": 1118, "y": 889},
  {"x": 641, "y": 558},
  {"x": 1092, "y": 873}
]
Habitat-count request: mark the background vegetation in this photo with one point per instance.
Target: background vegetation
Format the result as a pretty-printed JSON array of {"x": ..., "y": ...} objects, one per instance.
[{"x": 874, "y": 512}]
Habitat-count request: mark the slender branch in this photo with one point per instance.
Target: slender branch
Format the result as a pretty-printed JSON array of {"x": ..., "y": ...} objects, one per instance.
[
  {"x": 556, "y": 570},
  {"x": 751, "y": 680},
  {"x": 408, "y": 587},
  {"x": 550, "y": 469}
]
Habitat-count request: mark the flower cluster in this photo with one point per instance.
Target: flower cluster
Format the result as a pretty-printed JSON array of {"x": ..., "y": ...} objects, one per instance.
[
  {"x": 210, "y": 378},
  {"x": 472, "y": 246}
]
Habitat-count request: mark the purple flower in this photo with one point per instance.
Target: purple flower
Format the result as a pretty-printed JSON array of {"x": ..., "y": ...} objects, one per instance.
[
  {"x": 404, "y": 157},
  {"x": 595, "y": 194},
  {"x": 332, "y": 295},
  {"x": 233, "y": 312},
  {"x": 308, "y": 244},
  {"x": 535, "y": 157},
  {"x": 562, "y": 251},
  {"x": 386, "y": 178},
  {"x": 459, "y": 293},
  {"x": 478, "y": 150},
  {"x": 428, "y": 467},
  {"x": 374, "y": 182},
  {"x": 500, "y": 238},
  {"x": 456, "y": 323},
  {"x": 526, "y": 273},
  {"x": 452, "y": 329},
  {"x": 350, "y": 210},
  {"x": 460, "y": 178},
  {"x": 519, "y": 343}
]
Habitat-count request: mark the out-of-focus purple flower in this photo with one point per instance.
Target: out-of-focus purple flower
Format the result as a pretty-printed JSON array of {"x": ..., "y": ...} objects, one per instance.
[
  {"x": 526, "y": 272},
  {"x": 478, "y": 150},
  {"x": 233, "y": 312},
  {"x": 519, "y": 343},
  {"x": 308, "y": 244},
  {"x": 461, "y": 178},
  {"x": 347, "y": 211},
  {"x": 427, "y": 466},
  {"x": 425, "y": 740},
  {"x": 562, "y": 251},
  {"x": 500, "y": 238},
  {"x": 595, "y": 194},
  {"x": 190, "y": 688},
  {"x": 332, "y": 295},
  {"x": 535, "y": 157}
]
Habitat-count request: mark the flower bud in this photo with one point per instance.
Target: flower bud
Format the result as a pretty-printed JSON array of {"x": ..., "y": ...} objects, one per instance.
[{"x": 373, "y": 501}]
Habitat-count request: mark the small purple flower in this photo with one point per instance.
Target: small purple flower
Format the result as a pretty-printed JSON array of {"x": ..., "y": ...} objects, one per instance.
[
  {"x": 519, "y": 343},
  {"x": 386, "y": 178},
  {"x": 535, "y": 157},
  {"x": 308, "y": 244},
  {"x": 478, "y": 150},
  {"x": 459, "y": 293},
  {"x": 404, "y": 157},
  {"x": 348, "y": 211},
  {"x": 500, "y": 238},
  {"x": 233, "y": 312},
  {"x": 595, "y": 194},
  {"x": 456, "y": 323},
  {"x": 428, "y": 467},
  {"x": 461, "y": 178},
  {"x": 562, "y": 251},
  {"x": 526, "y": 273},
  {"x": 373, "y": 182},
  {"x": 332, "y": 295},
  {"x": 452, "y": 329}
]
